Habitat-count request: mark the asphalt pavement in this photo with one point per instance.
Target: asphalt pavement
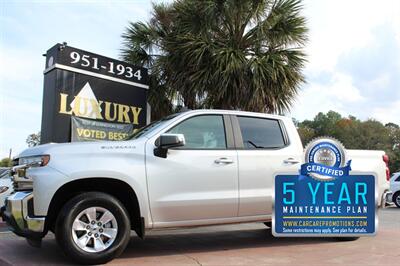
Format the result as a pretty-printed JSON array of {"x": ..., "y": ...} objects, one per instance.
[{"x": 243, "y": 244}]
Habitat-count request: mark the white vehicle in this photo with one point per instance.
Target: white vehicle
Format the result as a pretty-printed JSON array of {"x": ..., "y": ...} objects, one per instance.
[
  {"x": 196, "y": 168},
  {"x": 6, "y": 186},
  {"x": 395, "y": 188}
]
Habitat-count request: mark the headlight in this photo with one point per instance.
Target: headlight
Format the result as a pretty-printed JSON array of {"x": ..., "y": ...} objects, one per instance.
[{"x": 34, "y": 161}]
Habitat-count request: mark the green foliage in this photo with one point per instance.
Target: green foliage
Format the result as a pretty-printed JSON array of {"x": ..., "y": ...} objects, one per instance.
[
  {"x": 228, "y": 54},
  {"x": 355, "y": 134},
  {"x": 6, "y": 162},
  {"x": 33, "y": 139}
]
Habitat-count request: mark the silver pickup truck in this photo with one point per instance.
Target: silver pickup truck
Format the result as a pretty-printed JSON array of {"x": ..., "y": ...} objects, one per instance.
[{"x": 194, "y": 168}]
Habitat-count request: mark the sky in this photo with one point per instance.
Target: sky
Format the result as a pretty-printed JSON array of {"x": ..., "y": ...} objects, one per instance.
[{"x": 353, "y": 56}]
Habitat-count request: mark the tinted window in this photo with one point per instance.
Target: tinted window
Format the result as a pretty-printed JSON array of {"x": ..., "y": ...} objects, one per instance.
[
  {"x": 202, "y": 132},
  {"x": 398, "y": 179},
  {"x": 259, "y": 133}
]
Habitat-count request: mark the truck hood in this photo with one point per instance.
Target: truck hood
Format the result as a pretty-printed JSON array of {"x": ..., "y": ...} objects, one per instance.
[{"x": 83, "y": 147}]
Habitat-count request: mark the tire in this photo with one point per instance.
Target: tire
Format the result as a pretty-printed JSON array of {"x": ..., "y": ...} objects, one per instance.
[
  {"x": 86, "y": 242},
  {"x": 396, "y": 199},
  {"x": 344, "y": 239},
  {"x": 269, "y": 224}
]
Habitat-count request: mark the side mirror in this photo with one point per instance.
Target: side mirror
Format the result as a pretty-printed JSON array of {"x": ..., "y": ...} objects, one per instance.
[{"x": 168, "y": 141}]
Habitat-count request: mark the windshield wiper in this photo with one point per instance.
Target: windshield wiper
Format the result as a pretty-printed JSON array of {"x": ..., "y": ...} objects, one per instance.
[{"x": 254, "y": 145}]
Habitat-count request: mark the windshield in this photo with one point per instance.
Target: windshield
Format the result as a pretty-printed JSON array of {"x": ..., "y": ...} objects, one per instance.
[
  {"x": 4, "y": 172},
  {"x": 152, "y": 126}
]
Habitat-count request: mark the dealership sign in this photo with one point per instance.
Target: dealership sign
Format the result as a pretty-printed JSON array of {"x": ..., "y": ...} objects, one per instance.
[
  {"x": 89, "y": 130},
  {"x": 324, "y": 198},
  {"x": 104, "y": 92}
]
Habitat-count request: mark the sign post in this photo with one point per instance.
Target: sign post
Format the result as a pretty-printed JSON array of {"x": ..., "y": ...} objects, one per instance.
[{"x": 91, "y": 87}]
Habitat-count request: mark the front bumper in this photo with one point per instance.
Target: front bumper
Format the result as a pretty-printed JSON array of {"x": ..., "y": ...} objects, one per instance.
[
  {"x": 18, "y": 214},
  {"x": 387, "y": 198}
]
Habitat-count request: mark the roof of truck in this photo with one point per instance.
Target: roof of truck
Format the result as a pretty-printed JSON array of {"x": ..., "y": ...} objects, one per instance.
[{"x": 236, "y": 112}]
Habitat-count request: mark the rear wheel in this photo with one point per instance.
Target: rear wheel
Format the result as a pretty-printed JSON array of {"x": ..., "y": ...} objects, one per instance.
[
  {"x": 396, "y": 199},
  {"x": 93, "y": 228}
]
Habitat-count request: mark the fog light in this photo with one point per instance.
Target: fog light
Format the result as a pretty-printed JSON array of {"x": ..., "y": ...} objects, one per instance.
[{"x": 21, "y": 172}]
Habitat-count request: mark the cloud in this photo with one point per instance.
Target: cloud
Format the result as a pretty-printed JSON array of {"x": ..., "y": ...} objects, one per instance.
[
  {"x": 354, "y": 55},
  {"x": 342, "y": 89},
  {"x": 337, "y": 27},
  {"x": 336, "y": 93},
  {"x": 19, "y": 118},
  {"x": 388, "y": 113}
]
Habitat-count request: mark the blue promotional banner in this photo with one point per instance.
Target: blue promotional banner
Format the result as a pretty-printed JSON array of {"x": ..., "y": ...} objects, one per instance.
[{"x": 306, "y": 206}]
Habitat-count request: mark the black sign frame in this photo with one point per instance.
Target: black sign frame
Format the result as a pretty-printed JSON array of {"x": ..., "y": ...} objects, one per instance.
[{"x": 77, "y": 81}]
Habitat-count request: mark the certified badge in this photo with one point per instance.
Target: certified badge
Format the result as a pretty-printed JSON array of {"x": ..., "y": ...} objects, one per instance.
[{"x": 325, "y": 160}]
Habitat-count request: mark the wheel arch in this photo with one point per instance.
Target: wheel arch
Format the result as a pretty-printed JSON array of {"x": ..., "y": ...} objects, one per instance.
[
  {"x": 395, "y": 195},
  {"x": 115, "y": 187}
]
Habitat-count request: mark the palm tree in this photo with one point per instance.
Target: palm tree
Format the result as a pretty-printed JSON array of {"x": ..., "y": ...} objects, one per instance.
[{"x": 230, "y": 54}]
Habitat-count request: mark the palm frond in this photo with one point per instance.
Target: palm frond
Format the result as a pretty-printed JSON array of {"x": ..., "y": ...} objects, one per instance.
[{"x": 236, "y": 54}]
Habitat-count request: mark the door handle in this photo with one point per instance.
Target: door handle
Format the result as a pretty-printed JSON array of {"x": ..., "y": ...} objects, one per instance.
[
  {"x": 223, "y": 161},
  {"x": 290, "y": 161}
]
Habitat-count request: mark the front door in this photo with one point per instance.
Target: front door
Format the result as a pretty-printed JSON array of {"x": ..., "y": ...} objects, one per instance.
[{"x": 195, "y": 182}]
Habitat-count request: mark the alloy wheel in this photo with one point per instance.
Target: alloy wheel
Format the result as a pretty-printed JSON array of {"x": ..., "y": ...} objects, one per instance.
[{"x": 94, "y": 229}]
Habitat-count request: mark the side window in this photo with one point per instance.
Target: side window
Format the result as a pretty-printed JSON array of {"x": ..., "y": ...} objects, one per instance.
[
  {"x": 398, "y": 179},
  {"x": 260, "y": 133},
  {"x": 202, "y": 132}
]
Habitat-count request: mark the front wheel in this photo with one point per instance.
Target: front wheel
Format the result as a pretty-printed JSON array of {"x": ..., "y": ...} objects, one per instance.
[
  {"x": 93, "y": 228},
  {"x": 396, "y": 199}
]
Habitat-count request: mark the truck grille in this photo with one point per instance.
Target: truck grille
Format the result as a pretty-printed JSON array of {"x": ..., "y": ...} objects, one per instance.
[
  {"x": 20, "y": 184},
  {"x": 20, "y": 181}
]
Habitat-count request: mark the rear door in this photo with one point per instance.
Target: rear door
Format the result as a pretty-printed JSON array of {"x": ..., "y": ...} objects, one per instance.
[{"x": 263, "y": 149}]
